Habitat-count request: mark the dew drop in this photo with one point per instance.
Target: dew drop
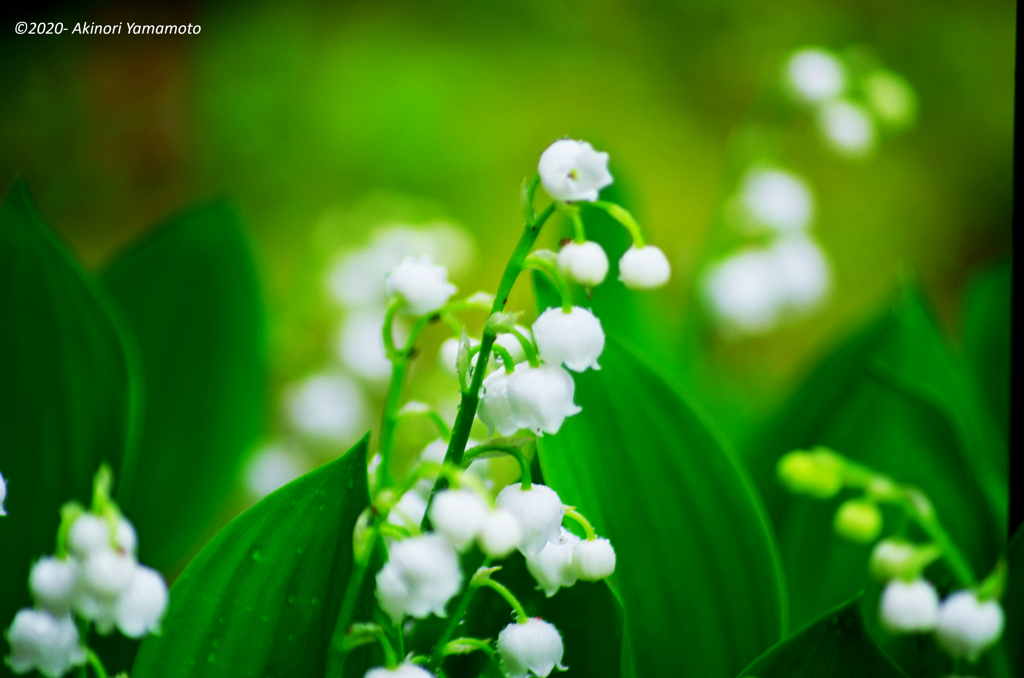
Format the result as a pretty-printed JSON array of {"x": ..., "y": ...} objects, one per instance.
[{"x": 256, "y": 552}]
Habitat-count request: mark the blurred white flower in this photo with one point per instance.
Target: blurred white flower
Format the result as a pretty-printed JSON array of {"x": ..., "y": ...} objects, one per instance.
[
  {"x": 891, "y": 98},
  {"x": 3, "y": 494},
  {"x": 326, "y": 406},
  {"x": 779, "y": 200},
  {"x": 540, "y": 398},
  {"x": 967, "y": 626},
  {"x": 573, "y": 170},
  {"x": 420, "y": 577},
  {"x": 890, "y": 558},
  {"x": 552, "y": 567},
  {"x": 815, "y": 75},
  {"x": 500, "y": 533},
  {"x": 539, "y": 512},
  {"x": 448, "y": 356},
  {"x": 457, "y": 515},
  {"x": 423, "y": 286},
  {"x": 534, "y": 646},
  {"x": 409, "y": 511},
  {"x": 360, "y": 347},
  {"x": 494, "y": 409},
  {"x": 403, "y": 670},
  {"x": 847, "y": 127},
  {"x": 594, "y": 559},
  {"x": 141, "y": 606},
  {"x": 270, "y": 469},
  {"x": 435, "y": 452},
  {"x": 510, "y": 343},
  {"x": 574, "y": 339},
  {"x": 584, "y": 263},
  {"x": 52, "y": 583},
  {"x": 909, "y": 607},
  {"x": 644, "y": 268},
  {"x": 744, "y": 291},
  {"x": 105, "y": 575},
  {"x": 804, "y": 272},
  {"x": 43, "y": 642}
]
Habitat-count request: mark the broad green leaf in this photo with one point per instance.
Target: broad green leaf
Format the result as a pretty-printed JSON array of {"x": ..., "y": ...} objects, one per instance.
[
  {"x": 835, "y": 645},
  {"x": 696, "y": 569},
  {"x": 896, "y": 398},
  {"x": 262, "y": 597},
  {"x": 190, "y": 293},
  {"x": 1013, "y": 603},
  {"x": 66, "y": 394},
  {"x": 986, "y": 336}
]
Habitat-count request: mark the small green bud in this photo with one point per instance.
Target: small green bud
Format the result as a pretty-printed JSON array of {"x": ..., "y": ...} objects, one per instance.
[
  {"x": 890, "y": 559},
  {"x": 818, "y": 473},
  {"x": 858, "y": 520},
  {"x": 363, "y": 536}
]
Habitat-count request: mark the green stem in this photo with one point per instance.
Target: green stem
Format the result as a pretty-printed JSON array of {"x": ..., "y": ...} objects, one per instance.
[
  {"x": 938, "y": 535},
  {"x": 95, "y": 663},
  {"x": 621, "y": 215},
  {"x": 528, "y": 349},
  {"x": 512, "y": 450},
  {"x": 335, "y": 655},
  {"x": 389, "y": 419},
  {"x": 521, "y": 616},
  {"x": 578, "y": 517},
  {"x": 549, "y": 269},
  {"x": 475, "y": 643},
  {"x": 437, "y": 655},
  {"x": 506, "y": 358},
  {"x": 388, "y": 330},
  {"x": 579, "y": 234}
]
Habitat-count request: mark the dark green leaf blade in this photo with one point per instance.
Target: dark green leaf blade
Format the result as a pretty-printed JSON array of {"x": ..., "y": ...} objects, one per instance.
[
  {"x": 191, "y": 296},
  {"x": 1013, "y": 603},
  {"x": 263, "y": 596},
  {"x": 697, "y": 570},
  {"x": 836, "y": 645},
  {"x": 65, "y": 403},
  {"x": 986, "y": 337}
]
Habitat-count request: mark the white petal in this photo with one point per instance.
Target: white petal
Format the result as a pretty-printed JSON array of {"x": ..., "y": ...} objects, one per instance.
[
  {"x": 644, "y": 268},
  {"x": 594, "y": 559},
  {"x": 573, "y": 170},
  {"x": 457, "y": 515},
  {"x": 534, "y": 646},
  {"x": 575, "y": 338},
  {"x": 140, "y": 608},
  {"x": 584, "y": 263},
  {"x": 539, "y": 512},
  {"x": 909, "y": 607}
]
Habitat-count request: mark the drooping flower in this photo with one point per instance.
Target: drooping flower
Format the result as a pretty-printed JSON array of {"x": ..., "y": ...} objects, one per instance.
[
  {"x": 744, "y": 291},
  {"x": 644, "y": 268},
  {"x": 815, "y": 75},
  {"x": 540, "y": 398},
  {"x": 778, "y": 200},
  {"x": 495, "y": 410},
  {"x": 420, "y": 577},
  {"x": 967, "y": 626},
  {"x": 585, "y": 263},
  {"x": 403, "y": 670},
  {"x": 52, "y": 583},
  {"x": 858, "y": 520},
  {"x": 847, "y": 127},
  {"x": 574, "y": 339},
  {"x": 594, "y": 559},
  {"x": 573, "y": 170},
  {"x": 552, "y": 567},
  {"x": 141, "y": 605},
  {"x": 909, "y": 607},
  {"x": 423, "y": 286},
  {"x": 539, "y": 511},
  {"x": 457, "y": 515},
  {"x": 534, "y": 646},
  {"x": 105, "y": 575},
  {"x": 500, "y": 533},
  {"x": 43, "y": 642}
]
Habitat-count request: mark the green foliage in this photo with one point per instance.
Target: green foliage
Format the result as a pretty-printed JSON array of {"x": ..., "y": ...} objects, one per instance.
[
  {"x": 835, "y": 645},
  {"x": 190, "y": 293},
  {"x": 1013, "y": 603},
  {"x": 66, "y": 397},
  {"x": 986, "y": 337},
  {"x": 262, "y": 598},
  {"x": 696, "y": 569}
]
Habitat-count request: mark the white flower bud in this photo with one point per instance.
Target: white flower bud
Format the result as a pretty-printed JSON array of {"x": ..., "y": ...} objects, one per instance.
[
  {"x": 3, "y": 494},
  {"x": 52, "y": 582},
  {"x": 778, "y": 200},
  {"x": 909, "y": 607},
  {"x": 539, "y": 512},
  {"x": 540, "y": 398},
  {"x": 815, "y": 75},
  {"x": 644, "y": 268},
  {"x": 575, "y": 338},
  {"x": 125, "y": 536},
  {"x": 890, "y": 558},
  {"x": 847, "y": 127},
  {"x": 139, "y": 609},
  {"x": 404, "y": 670},
  {"x": 510, "y": 343},
  {"x": 803, "y": 272},
  {"x": 420, "y": 578},
  {"x": 500, "y": 533},
  {"x": 409, "y": 511},
  {"x": 552, "y": 567},
  {"x": 967, "y": 626},
  {"x": 534, "y": 646},
  {"x": 594, "y": 559},
  {"x": 43, "y": 642},
  {"x": 457, "y": 515},
  {"x": 88, "y": 534},
  {"x": 573, "y": 170},
  {"x": 494, "y": 409},
  {"x": 423, "y": 286},
  {"x": 585, "y": 263}
]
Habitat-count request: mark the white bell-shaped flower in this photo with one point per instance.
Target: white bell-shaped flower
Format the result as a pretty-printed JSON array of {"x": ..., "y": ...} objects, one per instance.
[
  {"x": 510, "y": 343},
  {"x": 125, "y": 537},
  {"x": 552, "y": 567},
  {"x": 778, "y": 200},
  {"x": 88, "y": 534},
  {"x": 967, "y": 626},
  {"x": 539, "y": 512},
  {"x": 403, "y": 670},
  {"x": 423, "y": 286},
  {"x": 495, "y": 410},
  {"x": 3, "y": 494},
  {"x": 804, "y": 275},
  {"x": 594, "y": 559},
  {"x": 409, "y": 511},
  {"x": 745, "y": 291},
  {"x": 574, "y": 339},
  {"x": 573, "y": 170},
  {"x": 534, "y": 646},
  {"x": 420, "y": 577},
  {"x": 500, "y": 533},
  {"x": 585, "y": 263},
  {"x": 141, "y": 606},
  {"x": 52, "y": 582},
  {"x": 105, "y": 575},
  {"x": 815, "y": 75},
  {"x": 909, "y": 607},
  {"x": 43, "y": 642},
  {"x": 457, "y": 515},
  {"x": 847, "y": 127},
  {"x": 644, "y": 268},
  {"x": 540, "y": 398},
  {"x": 270, "y": 469}
]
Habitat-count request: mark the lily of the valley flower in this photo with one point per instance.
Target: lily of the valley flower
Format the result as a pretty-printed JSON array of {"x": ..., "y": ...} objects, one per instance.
[
  {"x": 423, "y": 286},
  {"x": 777, "y": 200},
  {"x": 510, "y": 343},
  {"x": 44, "y": 642},
  {"x": 594, "y": 559},
  {"x": 139, "y": 608},
  {"x": 890, "y": 558},
  {"x": 847, "y": 127},
  {"x": 540, "y": 398},
  {"x": 500, "y": 533},
  {"x": 909, "y": 607},
  {"x": 539, "y": 511},
  {"x": 574, "y": 339},
  {"x": 644, "y": 268},
  {"x": 494, "y": 409},
  {"x": 403, "y": 670},
  {"x": 553, "y": 566},
  {"x": 420, "y": 578},
  {"x": 409, "y": 511},
  {"x": 535, "y": 646},
  {"x": 52, "y": 583},
  {"x": 573, "y": 170},
  {"x": 584, "y": 263},
  {"x": 815, "y": 75},
  {"x": 457, "y": 515},
  {"x": 967, "y": 626}
]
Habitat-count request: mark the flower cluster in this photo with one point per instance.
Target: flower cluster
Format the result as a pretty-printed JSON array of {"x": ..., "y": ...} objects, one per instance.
[{"x": 94, "y": 575}]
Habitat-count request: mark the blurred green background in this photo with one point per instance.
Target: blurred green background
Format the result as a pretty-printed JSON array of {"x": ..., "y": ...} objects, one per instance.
[{"x": 322, "y": 122}]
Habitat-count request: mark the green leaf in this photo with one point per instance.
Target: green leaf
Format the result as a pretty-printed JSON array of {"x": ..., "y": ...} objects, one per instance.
[
  {"x": 190, "y": 293},
  {"x": 1013, "y": 603},
  {"x": 262, "y": 597},
  {"x": 66, "y": 396},
  {"x": 696, "y": 568},
  {"x": 986, "y": 337},
  {"x": 836, "y": 645}
]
